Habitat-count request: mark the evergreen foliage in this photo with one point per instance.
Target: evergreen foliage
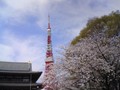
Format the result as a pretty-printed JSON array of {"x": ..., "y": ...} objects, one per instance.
[{"x": 110, "y": 23}]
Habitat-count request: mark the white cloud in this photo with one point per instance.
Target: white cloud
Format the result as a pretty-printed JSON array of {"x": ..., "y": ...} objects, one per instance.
[
  {"x": 6, "y": 52},
  {"x": 15, "y": 10},
  {"x": 69, "y": 16},
  {"x": 21, "y": 8},
  {"x": 18, "y": 10},
  {"x": 69, "y": 11},
  {"x": 31, "y": 49}
]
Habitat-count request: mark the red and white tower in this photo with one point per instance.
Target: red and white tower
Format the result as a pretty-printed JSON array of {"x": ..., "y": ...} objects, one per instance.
[
  {"x": 49, "y": 62},
  {"x": 49, "y": 54}
]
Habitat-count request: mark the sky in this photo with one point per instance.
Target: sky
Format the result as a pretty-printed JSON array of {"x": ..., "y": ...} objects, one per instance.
[{"x": 23, "y": 26}]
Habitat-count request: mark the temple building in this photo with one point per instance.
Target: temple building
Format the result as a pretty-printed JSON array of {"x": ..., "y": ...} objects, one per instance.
[{"x": 18, "y": 76}]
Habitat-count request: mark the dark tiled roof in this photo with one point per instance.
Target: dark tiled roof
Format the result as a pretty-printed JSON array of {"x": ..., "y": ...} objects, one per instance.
[
  {"x": 15, "y": 66},
  {"x": 20, "y": 84}
]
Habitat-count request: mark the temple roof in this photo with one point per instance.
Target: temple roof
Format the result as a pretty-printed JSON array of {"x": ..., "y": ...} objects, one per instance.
[
  {"x": 18, "y": 69},
  {"x": 15, "y": 66},
  {"x": 20, "y": 84}
]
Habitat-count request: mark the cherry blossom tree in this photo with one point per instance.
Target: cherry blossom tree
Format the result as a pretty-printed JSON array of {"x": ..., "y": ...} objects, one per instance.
[{"x": 92, "y": 64}]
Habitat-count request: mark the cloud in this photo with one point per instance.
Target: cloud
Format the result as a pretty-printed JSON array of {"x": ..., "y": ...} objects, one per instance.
[
  {"x": 31, "y": 49},
  {"x": 67, "y": 8},
  {"x": 18, "y": 10},
  {"x": 6, "y": 52},
  {"x": 68, "y": 17},
  {"x": 67, "y": 11}
]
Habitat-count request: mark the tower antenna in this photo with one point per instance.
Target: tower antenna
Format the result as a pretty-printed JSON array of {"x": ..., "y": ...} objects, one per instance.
[{"x": 49, "y": 22}]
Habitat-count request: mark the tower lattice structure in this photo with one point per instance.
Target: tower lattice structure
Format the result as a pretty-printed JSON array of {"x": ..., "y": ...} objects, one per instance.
[{"x": 49, "y": 62}]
